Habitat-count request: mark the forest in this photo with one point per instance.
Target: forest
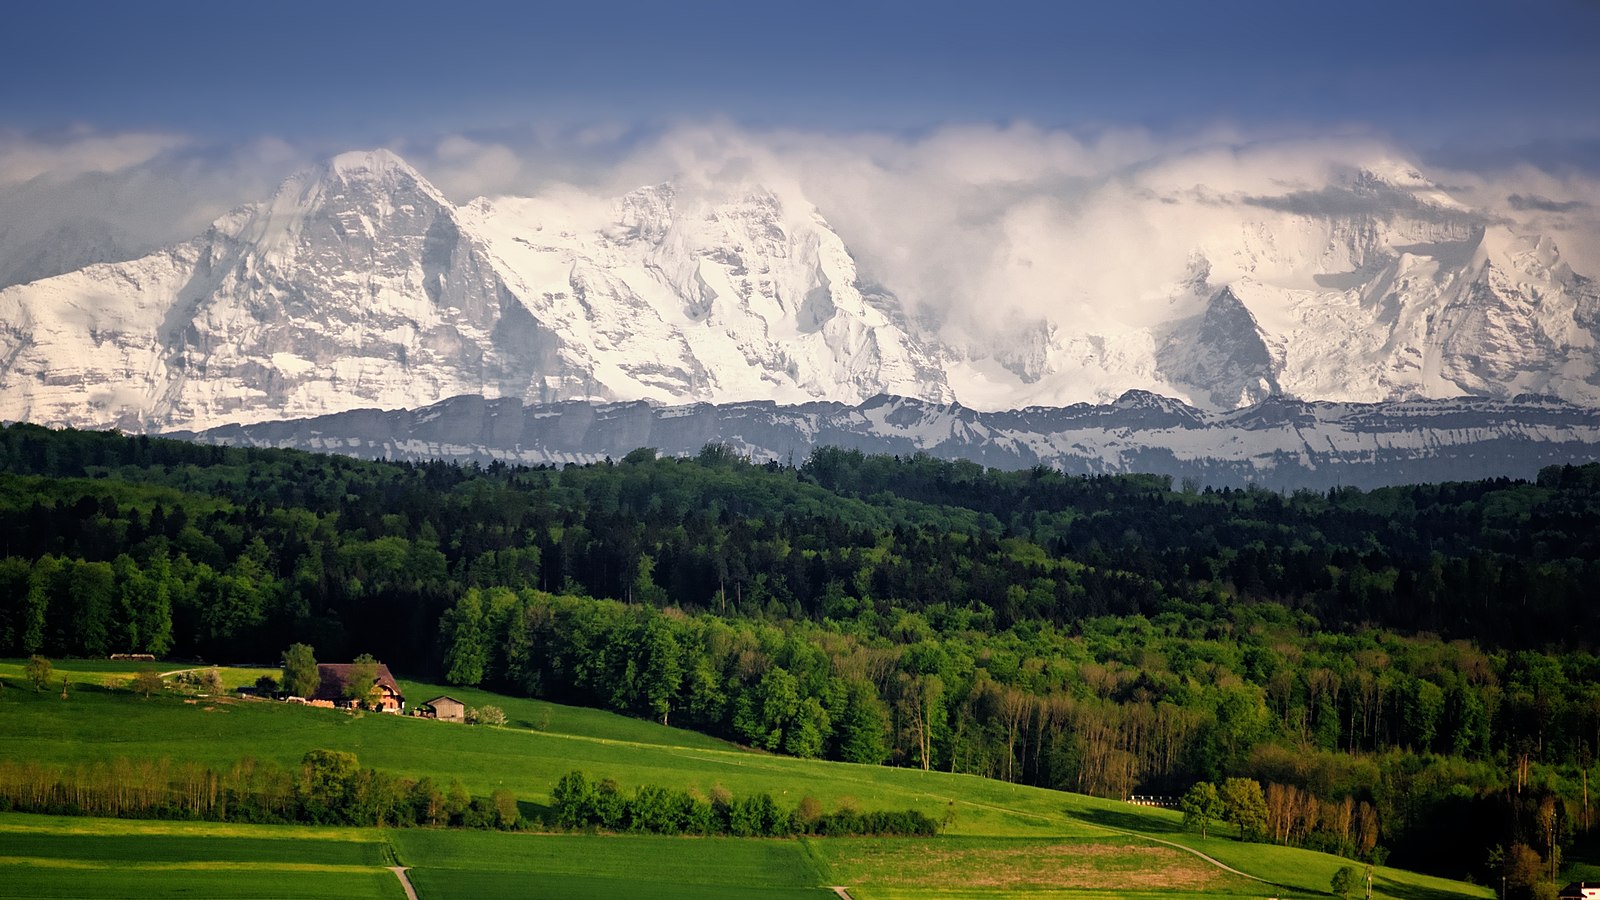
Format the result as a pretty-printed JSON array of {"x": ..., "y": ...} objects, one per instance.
[{"x": 1408, "y": 671}]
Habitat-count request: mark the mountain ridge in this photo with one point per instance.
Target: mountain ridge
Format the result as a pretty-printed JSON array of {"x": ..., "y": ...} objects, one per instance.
[{"x": 1279, "y": 443}]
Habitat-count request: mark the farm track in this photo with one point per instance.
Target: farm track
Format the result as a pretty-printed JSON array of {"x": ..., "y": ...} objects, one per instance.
[
  {"x": 1177, "y": 846},
  {"x": 405, "y": 882}
]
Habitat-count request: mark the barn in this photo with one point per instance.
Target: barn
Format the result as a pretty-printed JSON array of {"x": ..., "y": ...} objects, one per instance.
[
  {"x": 445, "y": 709},
  {"x": 335, "y": 688}
]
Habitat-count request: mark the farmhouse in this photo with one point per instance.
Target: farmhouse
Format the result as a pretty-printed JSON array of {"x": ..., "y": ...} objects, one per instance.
[
  {"x": 445, "y": 709},
  {"x": 335, "y": 688},
  {"x": 1581, "y": 890}
]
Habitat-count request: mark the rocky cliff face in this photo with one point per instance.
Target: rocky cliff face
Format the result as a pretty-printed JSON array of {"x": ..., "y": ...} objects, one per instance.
[{"x": 1281, "y": 444}]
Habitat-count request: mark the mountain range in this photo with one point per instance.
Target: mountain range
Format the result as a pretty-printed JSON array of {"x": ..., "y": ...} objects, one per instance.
[{"x": 358, "y": 286}]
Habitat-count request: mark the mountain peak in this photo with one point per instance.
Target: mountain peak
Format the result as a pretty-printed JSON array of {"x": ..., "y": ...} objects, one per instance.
[
  {"x": 1398, "y": 178},
  {"x": 377, "y": 171},
  {"x": 1137, "y": 398},
  {"x": 1393, "y": 173},
  {"x": 375, "y": 162}
]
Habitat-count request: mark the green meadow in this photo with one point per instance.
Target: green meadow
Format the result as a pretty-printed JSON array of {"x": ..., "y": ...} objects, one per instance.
[
  {"x": 48, "y": 856},
  {"x": 1001, "y": 840},
  {"x": 488, "y": 864}
]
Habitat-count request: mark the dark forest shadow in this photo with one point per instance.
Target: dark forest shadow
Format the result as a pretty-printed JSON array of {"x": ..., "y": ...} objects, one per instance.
[
  {"x": 1411, "y": 891},
  {"x": 1127, "y": 821},
  {"x": 536, "y": 814}
]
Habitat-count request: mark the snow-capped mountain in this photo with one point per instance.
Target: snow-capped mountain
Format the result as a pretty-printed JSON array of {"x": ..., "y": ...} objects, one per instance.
[
  {"x": 359, "y": 284},
  {"x": 1376, "y": 286},
  {"x": 745, "y": 294},
  {"x": 1280, "y": 444}
]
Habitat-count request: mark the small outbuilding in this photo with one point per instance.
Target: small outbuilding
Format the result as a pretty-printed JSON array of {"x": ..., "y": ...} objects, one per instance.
[
  {"x": 335, "y": 688},
  {"x": 445, "y": 709},
  {"x": 1581, "y": 890}
]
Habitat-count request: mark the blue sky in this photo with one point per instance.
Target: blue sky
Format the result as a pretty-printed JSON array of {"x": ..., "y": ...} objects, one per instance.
[
  {"x": 991, "y": 148},
  {"x": 1456, "y": 76}
]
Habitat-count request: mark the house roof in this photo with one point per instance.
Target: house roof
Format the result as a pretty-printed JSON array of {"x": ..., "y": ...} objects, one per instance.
[
  {"x": 335, "y": 677},
  {"x": 444, "y": 697}
]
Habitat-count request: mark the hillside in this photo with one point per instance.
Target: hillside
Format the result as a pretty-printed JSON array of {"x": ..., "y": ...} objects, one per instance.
[
  {"x": 1097, "y": 847},
  {"x": 1407, "y": 673}
]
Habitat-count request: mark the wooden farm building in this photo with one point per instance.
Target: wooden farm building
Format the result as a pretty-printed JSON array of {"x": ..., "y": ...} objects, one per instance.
[
  {"x": 445, "y": 709},
  {"x": 336, "y": 690}
]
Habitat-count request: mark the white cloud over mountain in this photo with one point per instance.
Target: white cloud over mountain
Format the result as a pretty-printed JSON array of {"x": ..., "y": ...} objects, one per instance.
[{"x": 1034, "y": 265}]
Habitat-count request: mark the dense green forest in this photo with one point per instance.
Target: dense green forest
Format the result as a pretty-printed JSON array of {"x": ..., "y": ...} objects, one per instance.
[{"x": 1406, "y": 671}]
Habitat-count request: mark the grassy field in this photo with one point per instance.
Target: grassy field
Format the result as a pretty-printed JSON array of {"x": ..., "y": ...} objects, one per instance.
[
  {"x": 1002, "y": 840},
  {"x": 118, "y": 674},
  {"x": 1115, "y": 866},
  {"x": 45, "y": 856},
  {"x": 486, "y": 864}
]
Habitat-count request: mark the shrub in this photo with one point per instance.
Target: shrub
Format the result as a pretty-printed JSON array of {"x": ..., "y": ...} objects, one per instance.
[
  {"x": 38, "y": 670},
  {"x": 148, "y": 682}
]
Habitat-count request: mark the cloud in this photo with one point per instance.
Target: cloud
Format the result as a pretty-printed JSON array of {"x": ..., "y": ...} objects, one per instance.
[
  {"x": 982, "y": 228},
  {"x": 102, "y": 198},
  {"x": 1524, "y": 202},
  {"x": 988, "y": 229},
  {"x": 24, "y": 157},
  {"x": 1382, "y": 203},
  {"x": 1550, "y": 201},
  {"x": 465, "y": 168}
]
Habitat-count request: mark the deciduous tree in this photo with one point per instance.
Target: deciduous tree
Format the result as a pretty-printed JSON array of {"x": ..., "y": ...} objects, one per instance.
[
  {"x": 38, "y": 670},
  {"x": 363, "y": 683},
  {"x": 1344, "y": 882},
  {"x": 506, "y": 813},
  {"x": 300, "y": 676},
  {"x": 1244, "y": 805},
  {"x": 1201, "y": 806},
  {"x": 147, "y": 682}
]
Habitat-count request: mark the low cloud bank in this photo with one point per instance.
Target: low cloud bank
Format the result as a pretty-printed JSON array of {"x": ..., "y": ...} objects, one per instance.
[{"x": 979, "y": 228}]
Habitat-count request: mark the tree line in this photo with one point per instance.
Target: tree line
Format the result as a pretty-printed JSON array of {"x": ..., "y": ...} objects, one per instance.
[
  {"x": 330, "y": 787},
  {"x": 580, "y": 803}
]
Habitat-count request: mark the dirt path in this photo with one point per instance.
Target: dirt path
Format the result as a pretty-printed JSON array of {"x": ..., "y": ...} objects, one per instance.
[
  {"x": 400, "y": 873},
  {"x": 843, "y": 894}
]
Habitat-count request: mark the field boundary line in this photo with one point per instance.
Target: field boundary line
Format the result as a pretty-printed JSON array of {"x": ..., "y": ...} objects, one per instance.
[{"x": 186, "y": 865}]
